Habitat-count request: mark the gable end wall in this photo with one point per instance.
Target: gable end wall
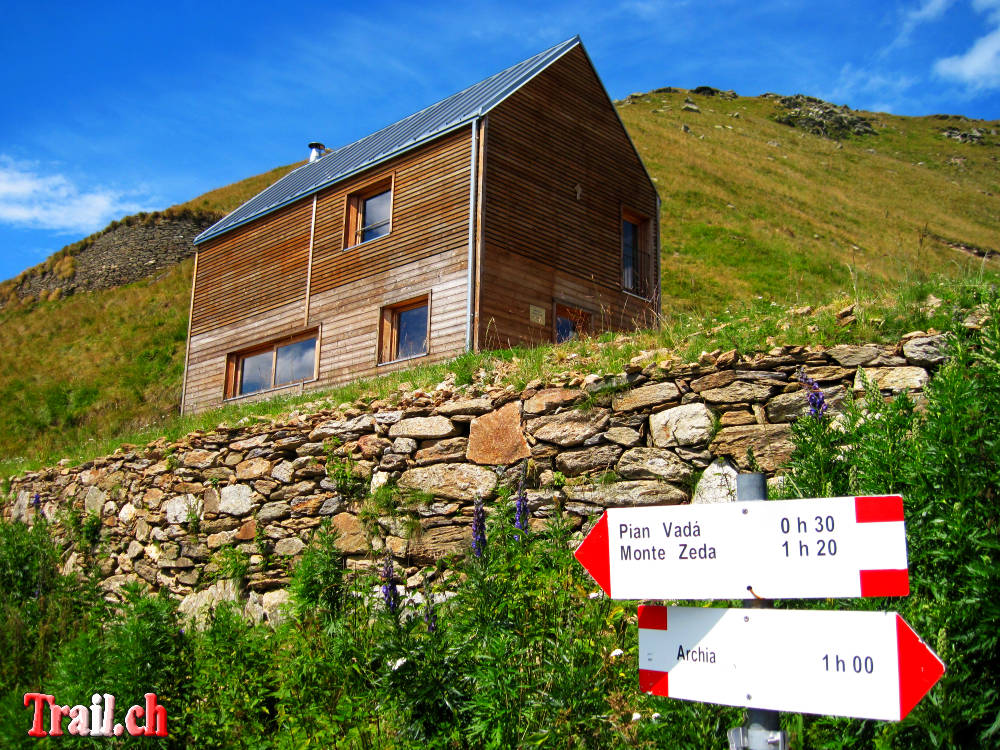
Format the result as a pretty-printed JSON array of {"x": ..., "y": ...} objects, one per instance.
[{"x": 543, "y": 244}]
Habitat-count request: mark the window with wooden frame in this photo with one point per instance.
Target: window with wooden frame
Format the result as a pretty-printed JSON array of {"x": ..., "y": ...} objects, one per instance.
[
  {"x": 281, "y": 362},
  {"x": 369, "y": 213},
  {"x": 570, "y": 323},
  {"x": 404, "y": 330},
  {"x": 636, "y": 261}
]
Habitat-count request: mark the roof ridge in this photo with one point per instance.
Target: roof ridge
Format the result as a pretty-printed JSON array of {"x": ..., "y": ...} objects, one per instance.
[{"x": 434, "y": 120}]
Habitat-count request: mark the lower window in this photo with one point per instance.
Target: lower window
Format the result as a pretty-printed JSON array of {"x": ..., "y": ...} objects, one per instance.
[
  {"x": 570, "y": 323},
  {"x": 282, "y": 362},
  {"x": 404, "y": 327}
]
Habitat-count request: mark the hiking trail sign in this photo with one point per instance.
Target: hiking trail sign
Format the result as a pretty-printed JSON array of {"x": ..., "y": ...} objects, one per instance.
[
  {"x": 864, "y": 664},
  {"x": 813, "y": 548}
]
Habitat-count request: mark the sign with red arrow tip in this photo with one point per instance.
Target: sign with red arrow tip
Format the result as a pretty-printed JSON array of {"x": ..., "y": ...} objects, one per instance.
[
  {"x": 869, "y": 665},
  {"x": 815, "y": 548}
]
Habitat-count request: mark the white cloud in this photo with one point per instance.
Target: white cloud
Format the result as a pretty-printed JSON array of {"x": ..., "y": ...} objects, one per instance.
[
  {"x": 871, "y": 90},
  {"x": 52, "y": 201},
  {"x": 927, "y": 12},
  {"x": 979, "y": 66}
]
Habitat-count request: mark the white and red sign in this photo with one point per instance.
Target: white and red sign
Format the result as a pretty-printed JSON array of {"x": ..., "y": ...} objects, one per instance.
[
  {"x": 869, "y": 665},
  {"x": 816, "y": 548}
]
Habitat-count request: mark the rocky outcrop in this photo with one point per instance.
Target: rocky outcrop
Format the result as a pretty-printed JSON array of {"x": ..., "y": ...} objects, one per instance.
[
  {"x": 131, "y": 250},
  {"x": 822, "y": 118},
  {"x": 401, "y": 477}
]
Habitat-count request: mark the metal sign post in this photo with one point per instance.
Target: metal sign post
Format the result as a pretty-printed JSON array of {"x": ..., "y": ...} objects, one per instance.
[{"x": 762, "y": 729}]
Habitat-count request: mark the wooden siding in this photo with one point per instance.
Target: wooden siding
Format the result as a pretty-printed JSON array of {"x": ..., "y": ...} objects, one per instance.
[
  {"x": 558, "y": 132},
  {"x": 430, "y": 214},
  {"x": 253, "y": 269},
  {"x": 511, "y": 284},
  {"x": 251, "y": 283},
  {"x": 348, "y": 319}
]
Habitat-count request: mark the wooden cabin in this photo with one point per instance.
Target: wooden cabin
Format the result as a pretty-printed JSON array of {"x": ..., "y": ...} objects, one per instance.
[{"x": 515, "y": 212}]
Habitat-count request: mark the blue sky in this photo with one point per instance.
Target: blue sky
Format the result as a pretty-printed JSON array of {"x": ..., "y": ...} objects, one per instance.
[{"x": 112, "y": 108}]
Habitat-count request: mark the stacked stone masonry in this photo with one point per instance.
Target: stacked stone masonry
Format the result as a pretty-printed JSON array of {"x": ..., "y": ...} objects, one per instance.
[{"x": 582, "y": 445}]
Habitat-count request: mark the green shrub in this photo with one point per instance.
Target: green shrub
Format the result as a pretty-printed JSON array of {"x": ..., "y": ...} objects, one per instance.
[
  {"x": 945, "y": 461},
  {"x": 318, "y": 579}
]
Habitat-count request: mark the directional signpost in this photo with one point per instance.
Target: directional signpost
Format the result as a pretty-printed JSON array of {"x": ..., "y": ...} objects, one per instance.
[
  {"x": 862, "y": 664},
  {"x": 870, "y": 665},
  {"x": 827, "y": 547}
]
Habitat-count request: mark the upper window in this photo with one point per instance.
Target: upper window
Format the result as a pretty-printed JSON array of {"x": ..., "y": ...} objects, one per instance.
[
  {"x": 635, "y": 230},
  {"x": 282, "y": 362},
  {"x": 404, "y": 330},
  {"x": 369, "y": 213}
]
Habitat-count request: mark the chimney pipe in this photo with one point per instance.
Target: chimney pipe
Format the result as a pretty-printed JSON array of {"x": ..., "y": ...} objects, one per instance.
[{"x": 315, "y": 150}]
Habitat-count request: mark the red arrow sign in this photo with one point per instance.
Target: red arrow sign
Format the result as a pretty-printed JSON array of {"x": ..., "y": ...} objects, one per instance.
[
  {"x": 825, "y": 547},
  {"x": 869, "y": 665}
]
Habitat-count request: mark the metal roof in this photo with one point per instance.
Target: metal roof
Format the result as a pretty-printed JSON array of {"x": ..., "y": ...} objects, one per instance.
[{"x": 420, "y": 127}]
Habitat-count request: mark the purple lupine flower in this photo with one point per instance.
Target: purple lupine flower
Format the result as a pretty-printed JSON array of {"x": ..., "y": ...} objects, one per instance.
[
  {"x": 36, "y": 500},
  {"x": 520, "y": 514},
  {"x": 478, "y": 527},
  {"x": 817, "y": 402},
  {"x": 389, "y": 592},
  {"x": 521, "y": 504},
  {"x": 429, "y": 617}
]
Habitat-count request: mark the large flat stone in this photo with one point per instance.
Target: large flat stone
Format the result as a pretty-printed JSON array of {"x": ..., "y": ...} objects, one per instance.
[
  {"x": 474, "y": 406},
  {"x": 454, "y": 481},
  {"x": 686, "y": 425},
  {"x": 569, "y": 428},
  {"x": 199, "y": 459},
  {"x": 254, "y": 468},
  {"x": 351, "y": 536},
  {"x": 894, "y": 379},
  {"x": 739, "y": 391},
  {"x": 343, "y": 429},
  {"x": 177, "y": 509},
  {"x": 771, "y": 443},
  {"x": 496, "y": 438},
  {"x": 926, "y": 351},
  {"x": 625, "y": 494},
  {"x": 726, "y": 377},
  {"x": 438, "y": 542},
  {"x": 654, "y": 463},
  {"x": 848, "y": 355},
  {"x": 550, "y": 399},
  {"x": 598, "y": 458},
  {"x": 235, "y": 500},
  {"x": 440, "y": 451},
  {"x": 645, "y": 396},
  {"x": 717, "y": 484},
  {"x": 423, "y": 428},
  {"x": 787, "y": 407}
]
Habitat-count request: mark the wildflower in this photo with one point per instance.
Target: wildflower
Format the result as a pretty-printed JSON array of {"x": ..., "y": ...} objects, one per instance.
[
  {"x": 817, "y": 401},
  {"x": 521, "y": 503},
  {"x": 429, "y": 617},
  {"x": 520, "y": 514},
  {"x": 389, "y": 591},
  {"x": 397, "y": 663},
  {"x": 479, "y": 528},
  {"x": 37, "y": 500}
]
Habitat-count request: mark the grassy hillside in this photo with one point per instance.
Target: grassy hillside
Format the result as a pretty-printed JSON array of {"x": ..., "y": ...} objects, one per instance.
[
  {"x": 751, "y": 208},
  {"x": 755, "y": 207}
]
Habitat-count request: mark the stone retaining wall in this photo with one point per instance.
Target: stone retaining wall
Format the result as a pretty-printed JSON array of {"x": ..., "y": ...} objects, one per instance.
[{"x": 641, "y": 437}]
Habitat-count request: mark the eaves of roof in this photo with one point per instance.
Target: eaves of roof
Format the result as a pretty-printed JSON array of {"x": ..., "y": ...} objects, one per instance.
[{"x": 411, "y": 132}]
